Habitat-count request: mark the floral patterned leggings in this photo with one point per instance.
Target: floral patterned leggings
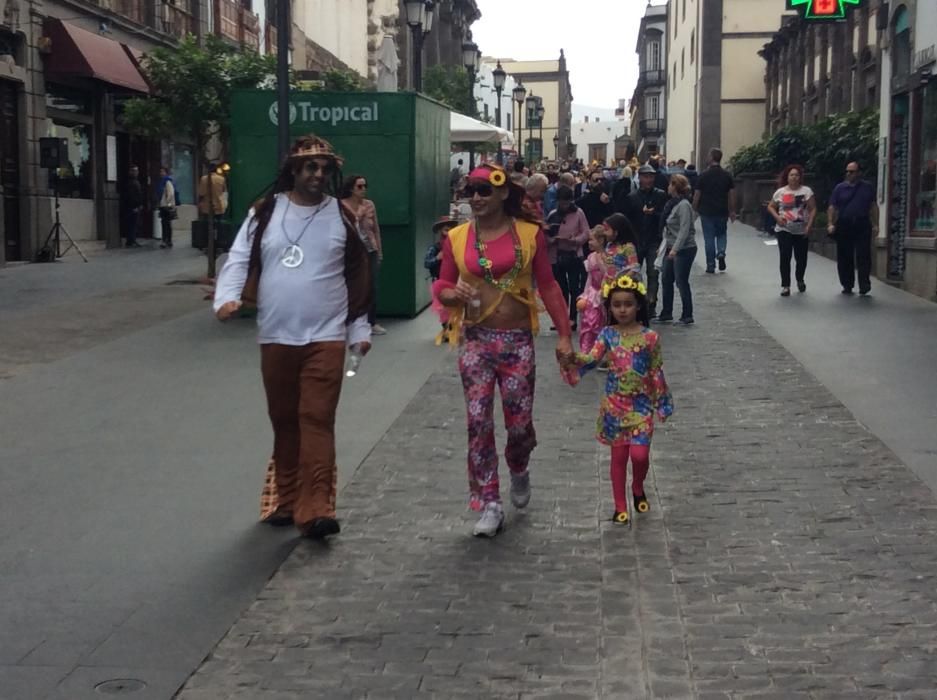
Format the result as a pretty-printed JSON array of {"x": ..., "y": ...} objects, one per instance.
[{"x": 506, "y": 358}]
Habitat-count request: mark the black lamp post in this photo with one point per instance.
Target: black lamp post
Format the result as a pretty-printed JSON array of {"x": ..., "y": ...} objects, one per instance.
[
  {"x": 540, "y": 112},
  {"x": 498, "y": 75},
  {"x": 519, "y": 93},
  {"x": 470, "y": 59},
  {"x": 556, "y": 146},
  {"x": 531, "y": 104},
  {"x": 420, "y": 15}
]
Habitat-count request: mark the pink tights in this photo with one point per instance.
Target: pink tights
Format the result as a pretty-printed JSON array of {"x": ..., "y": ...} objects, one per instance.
[{"x": 640, "y": 463}]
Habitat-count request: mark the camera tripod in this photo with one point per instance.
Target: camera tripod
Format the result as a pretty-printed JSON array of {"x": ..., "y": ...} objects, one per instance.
[{"x": 57, "y": 231}]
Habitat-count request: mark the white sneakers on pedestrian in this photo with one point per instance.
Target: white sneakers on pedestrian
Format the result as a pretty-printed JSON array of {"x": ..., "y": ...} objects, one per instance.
[
  {"x": 520, "y": 489},
  {"x": 378, "y": 329},
  {"x": 491, "y": 522}
]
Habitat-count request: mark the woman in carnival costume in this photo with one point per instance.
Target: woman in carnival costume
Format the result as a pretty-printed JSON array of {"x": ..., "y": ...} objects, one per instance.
[{"x": 489, "y": 268}]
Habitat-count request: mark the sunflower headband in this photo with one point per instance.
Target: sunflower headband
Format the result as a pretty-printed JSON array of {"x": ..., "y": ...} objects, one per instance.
[
  {"x": 623, "y": 282},
  {"x": 494, "y": 175}
]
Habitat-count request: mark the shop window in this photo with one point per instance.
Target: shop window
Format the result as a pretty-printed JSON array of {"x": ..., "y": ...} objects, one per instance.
[
  {"x": 927, "y": 178},
  {"x": 901, "y": 44},
  {"x": 73, "y": 178},
  {"x": 183, "y": 172}
]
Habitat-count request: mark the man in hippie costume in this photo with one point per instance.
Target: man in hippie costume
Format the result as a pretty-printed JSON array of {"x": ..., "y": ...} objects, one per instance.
[
  {"x": 299, "y": 258},
  {"x": 490, "y": 266}
]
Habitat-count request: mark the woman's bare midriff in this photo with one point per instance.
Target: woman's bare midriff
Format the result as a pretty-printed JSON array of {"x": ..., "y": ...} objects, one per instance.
[{"x": 510, "y": 314}]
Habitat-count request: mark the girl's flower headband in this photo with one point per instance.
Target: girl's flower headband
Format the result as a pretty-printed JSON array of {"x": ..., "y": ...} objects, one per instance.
[{"x": 623, "y": 282}]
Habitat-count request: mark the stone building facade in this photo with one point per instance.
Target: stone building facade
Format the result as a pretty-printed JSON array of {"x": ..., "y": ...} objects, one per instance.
[
  {"x": 649, "y": 101},
  {"x": 818, "y": 69}
]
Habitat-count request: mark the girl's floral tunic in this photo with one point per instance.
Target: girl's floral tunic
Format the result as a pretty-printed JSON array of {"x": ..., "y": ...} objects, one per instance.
[
  {"x": 635, "y": 388},
  {"x": 620, "y": 258}
]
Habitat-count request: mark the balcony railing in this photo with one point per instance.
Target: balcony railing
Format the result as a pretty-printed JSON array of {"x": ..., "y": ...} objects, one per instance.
[
  {"x": 236, "y": 23},
  {"x": 650, "y": 78},
  {"x": 173, "y": 19},
  {"x": 652, "y": 126}
]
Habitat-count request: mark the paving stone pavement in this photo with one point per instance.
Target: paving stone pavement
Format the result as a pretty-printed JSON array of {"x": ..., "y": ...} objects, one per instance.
[{"x": 788, "y": 554}]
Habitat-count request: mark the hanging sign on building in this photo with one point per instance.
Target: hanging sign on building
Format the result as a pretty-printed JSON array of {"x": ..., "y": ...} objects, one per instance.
[{"x": 822, "y": 10}]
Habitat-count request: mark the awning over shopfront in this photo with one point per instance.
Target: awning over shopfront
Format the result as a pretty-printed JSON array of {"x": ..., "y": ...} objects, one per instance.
[
  {"x": 464, "y": 129},
  {"x": 76, "y": 52}
]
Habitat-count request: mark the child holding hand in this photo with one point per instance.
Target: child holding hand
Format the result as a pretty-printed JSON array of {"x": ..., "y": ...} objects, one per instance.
[{"x": 635, "y": 390}]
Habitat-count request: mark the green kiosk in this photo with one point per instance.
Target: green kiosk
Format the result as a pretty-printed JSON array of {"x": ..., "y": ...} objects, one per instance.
[{"x": 398, "y": 141}]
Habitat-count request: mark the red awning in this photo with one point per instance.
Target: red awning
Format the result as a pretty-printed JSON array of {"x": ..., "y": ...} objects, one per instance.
[{"x": 77, "y": 52}]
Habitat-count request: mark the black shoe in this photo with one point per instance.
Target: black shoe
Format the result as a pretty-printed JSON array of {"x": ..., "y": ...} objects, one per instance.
[
  {"x": 163, "y": 245},
  {"x": 621, "y": 518},
  {"x": 280, "y": 519},
  {"x": 640, "y": 504},
  {"x": 321, "y": 528},
  {"x": 664, "y": 319},
  {"x": 722, "y": 263},
  {"x": 864, "y": 292},
  {"x": 710, "y": 271},
  {"x": 801, "y": 286},
  {"x": 786, "y": 292},
  {"x": 846, "y": 290},
  {"x": 686, "y": 321}
]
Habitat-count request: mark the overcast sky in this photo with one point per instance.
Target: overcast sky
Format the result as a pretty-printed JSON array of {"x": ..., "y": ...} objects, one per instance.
[{"x": 598, "y": 37}]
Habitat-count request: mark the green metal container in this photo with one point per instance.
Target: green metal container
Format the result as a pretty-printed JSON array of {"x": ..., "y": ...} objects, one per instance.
[{"x": 398, "y": 141}]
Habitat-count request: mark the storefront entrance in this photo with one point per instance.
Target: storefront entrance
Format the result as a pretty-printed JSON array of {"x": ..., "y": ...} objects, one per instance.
[{"x": 10, "y": 169}]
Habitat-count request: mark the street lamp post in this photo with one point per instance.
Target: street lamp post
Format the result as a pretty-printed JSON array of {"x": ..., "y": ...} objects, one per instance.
[
  {"x": 540, "y": 112},
  {"x": 556, "y": 146},
  {"x": 498, "y": 75},
  {"x": 420, "y": 15},
  {"x": 531, "y": 104},
  {"x": 520, "y": 92},
  {"x": 470, "y": 59}
]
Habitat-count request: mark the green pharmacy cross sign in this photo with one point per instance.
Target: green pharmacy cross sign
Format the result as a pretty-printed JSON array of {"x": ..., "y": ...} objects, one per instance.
[{"x": 819, "y": 10}]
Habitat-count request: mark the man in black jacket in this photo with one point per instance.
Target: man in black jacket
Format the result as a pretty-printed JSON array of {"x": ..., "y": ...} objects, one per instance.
[
  {"x": 596, "y": 203},
  {"x": 644, "y": 208}
]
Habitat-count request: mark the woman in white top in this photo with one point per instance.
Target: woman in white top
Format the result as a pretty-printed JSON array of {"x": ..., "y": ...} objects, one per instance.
[
  {"x": 167, "y": 205},
  {"x": 793, "y": 208}
]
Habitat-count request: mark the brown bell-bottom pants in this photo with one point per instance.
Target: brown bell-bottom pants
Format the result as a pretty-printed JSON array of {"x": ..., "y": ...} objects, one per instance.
[{"x": 303, "y": 385}]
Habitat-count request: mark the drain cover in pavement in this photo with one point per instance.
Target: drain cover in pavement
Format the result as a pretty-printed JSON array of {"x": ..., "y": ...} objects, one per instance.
[{"x": 120, "y": 686}]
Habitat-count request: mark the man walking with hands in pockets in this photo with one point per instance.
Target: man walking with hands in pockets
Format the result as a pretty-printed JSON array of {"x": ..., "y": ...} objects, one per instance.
[
  {"x": 853, "y": 218},
  {"x": 299, "y": 258}
]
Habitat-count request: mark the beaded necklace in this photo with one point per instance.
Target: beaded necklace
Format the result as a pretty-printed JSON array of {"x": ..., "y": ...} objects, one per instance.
[{"x": 507, "y": 280}]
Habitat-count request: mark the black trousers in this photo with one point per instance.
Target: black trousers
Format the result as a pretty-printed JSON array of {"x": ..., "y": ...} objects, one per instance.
[
  {"x": 798, "y": 245},
  {"x": 854, "y": 252},
  {"x": 165, "y": 220},
  {"x": 647, "y": 254},
  {"x": 570, "y": 274}
]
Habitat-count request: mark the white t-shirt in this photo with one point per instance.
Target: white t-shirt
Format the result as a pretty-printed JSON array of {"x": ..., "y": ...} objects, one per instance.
[
  {"x": 299, "y": 305},
  {"x": 792, "y": 208}
]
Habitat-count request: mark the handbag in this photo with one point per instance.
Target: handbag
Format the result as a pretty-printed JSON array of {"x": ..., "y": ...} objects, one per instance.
[{"x": 661, "y": 253}]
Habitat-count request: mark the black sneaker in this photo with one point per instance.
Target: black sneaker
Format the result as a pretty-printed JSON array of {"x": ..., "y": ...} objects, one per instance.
[
  {"x": 710, "y": 271},
  {"x": 865, "y": 292},
  {"x": 640, "y": 504},
  {"x": 801, "y": 286},
  {"x": 722, "y": 263},
  {"x": 785, "y": 291},
  {"x": 846, "y": 290},
  {"x": 686, "y": 321},
  {"x": 321, "y": 528},
  {"x": 664, "y": 319}
]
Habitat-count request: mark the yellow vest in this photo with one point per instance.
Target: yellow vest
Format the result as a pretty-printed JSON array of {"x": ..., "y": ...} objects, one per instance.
[{"x": 521, "y": 289}]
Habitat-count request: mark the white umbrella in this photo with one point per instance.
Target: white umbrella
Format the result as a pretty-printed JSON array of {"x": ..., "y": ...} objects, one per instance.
[{"x": 464, "y": 129}]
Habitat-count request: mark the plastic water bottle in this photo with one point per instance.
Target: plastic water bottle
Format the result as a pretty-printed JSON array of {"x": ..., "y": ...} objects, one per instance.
[
  {"x": 354, "y": 361},
  {"x": 473, "y": 310}
]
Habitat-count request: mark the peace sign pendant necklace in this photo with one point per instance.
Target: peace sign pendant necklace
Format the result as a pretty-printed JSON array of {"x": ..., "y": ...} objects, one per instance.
[{"x": 293, "y": 255}]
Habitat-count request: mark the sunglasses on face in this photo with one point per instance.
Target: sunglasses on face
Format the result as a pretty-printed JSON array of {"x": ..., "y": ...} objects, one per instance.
[
  {"x": 482, "y": 190},
  {"x": 361, "y": 187}
]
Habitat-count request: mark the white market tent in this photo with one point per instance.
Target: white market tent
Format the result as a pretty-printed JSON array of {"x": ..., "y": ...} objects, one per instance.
[{"x": 464, "y": 129}]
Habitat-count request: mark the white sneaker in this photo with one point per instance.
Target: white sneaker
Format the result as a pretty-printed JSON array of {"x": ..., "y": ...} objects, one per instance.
[
  {"x": 491, "y": 522},
  {"x": 520, "y": 489},
  {"x": 378, "y": 329}
]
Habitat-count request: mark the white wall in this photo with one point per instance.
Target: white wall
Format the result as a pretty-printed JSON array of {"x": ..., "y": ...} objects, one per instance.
[
  {"x": 485, "y": 95},
  {"x": 339, "y": 26},
  {"x": 584, "y": 134}
]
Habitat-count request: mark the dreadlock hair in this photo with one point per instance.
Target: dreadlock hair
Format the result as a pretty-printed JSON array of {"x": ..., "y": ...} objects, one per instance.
[
  {"x": 263, "y": 207},
  {"x": 643, "y": 315}
]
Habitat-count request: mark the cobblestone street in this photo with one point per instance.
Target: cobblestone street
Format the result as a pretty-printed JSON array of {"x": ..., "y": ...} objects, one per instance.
[{"x": 788, "y": 554}]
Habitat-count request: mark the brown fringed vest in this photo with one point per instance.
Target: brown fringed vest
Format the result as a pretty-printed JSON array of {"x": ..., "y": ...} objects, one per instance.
[{"x": 357, "y": 273}]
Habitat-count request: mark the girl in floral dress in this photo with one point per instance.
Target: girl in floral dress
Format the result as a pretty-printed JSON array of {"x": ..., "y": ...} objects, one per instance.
[
  {"x": 621, "y": 253},
  {"x": 590, "y": 303},
  {"x": 635, "y": 389}
]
